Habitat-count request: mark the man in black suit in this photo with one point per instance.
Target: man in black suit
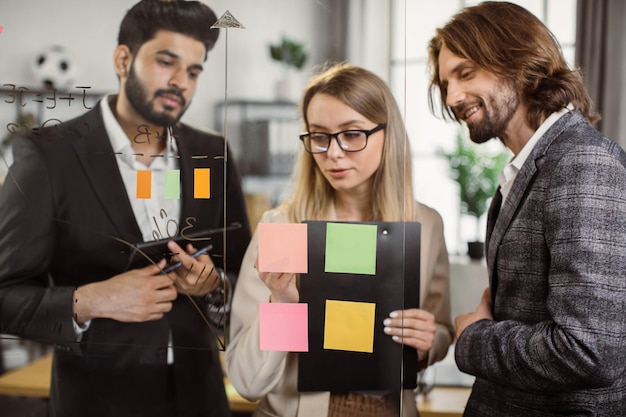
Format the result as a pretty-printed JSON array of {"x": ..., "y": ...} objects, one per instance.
[{"x": 71, "y": 210}]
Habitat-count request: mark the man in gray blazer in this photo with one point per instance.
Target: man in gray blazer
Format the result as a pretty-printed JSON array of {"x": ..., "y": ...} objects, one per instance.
[
  {"x": 70, "y": 213},
  {"x": 549, "y": 335}
]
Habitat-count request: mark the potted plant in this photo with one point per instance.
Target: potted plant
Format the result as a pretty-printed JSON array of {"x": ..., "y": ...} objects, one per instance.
[
  {"x": 290, "y": 54},
  {"x": 22, "y": 125},
  {"x": 476, "y": 172}
]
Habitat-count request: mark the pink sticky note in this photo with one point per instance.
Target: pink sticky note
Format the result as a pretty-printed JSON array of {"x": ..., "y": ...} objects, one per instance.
[
  {"x": 284, "y": 327},
  {"x": 1, "y": 27},
  {"x": 283, "y": 247}
]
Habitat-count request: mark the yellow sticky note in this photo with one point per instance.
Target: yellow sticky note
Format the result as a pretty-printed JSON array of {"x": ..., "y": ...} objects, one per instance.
[
  {"x": 349, "y": 326},
  {"x": 201, "y": 183}
]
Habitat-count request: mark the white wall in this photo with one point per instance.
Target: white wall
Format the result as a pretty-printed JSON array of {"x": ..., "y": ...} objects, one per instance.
[{"x": 88, "y": 30}]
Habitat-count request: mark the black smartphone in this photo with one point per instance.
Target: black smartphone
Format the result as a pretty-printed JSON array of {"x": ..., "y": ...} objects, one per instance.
[{"x": 144, "y": 253}]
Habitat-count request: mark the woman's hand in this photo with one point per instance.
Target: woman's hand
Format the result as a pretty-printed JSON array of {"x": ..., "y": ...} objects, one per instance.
[
  {"x": 412, "y": 327},
  {"x": 282, "y": 285}
]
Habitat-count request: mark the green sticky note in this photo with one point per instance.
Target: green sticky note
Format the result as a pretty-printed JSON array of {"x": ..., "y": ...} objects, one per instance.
[
  {"x": 351, "y": 248},
  {"x": 172, "y": 184}
]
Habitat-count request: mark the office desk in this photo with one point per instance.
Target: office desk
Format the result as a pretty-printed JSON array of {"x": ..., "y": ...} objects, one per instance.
[
  {"x": 444, "y": 402},
  {"x": 33, "y": 380}
]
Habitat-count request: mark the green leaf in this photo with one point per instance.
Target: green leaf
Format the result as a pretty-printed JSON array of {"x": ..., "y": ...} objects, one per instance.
[
  {"x": 476, "y": 172},
  {"x": 289, "y": 52}
]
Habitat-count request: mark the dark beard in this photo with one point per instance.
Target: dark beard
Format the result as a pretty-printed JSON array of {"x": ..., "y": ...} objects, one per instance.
[
  {"x": 494, "y": 125},
  {"x": 138, "y": 98}
]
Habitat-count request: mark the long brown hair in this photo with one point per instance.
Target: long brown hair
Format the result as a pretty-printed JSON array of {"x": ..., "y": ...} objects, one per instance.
[
  {"x": 392, "y": 194},
  {"x": 510, "y": 42}
]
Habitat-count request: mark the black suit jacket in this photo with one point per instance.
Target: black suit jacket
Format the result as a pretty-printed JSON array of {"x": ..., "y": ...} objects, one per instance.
[{"x": 65, "y": 221}]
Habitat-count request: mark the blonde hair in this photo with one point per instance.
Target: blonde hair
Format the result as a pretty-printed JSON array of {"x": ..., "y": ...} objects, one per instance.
[{"x": 392, "y": 193}]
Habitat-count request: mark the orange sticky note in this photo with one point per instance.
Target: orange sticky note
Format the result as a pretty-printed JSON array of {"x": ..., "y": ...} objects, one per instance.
[
  {"x": 202, "y": 183},
  {"x": 284, "y": 327},
  {"x": 283, "y": 247},
  {"x": 144, "y": 184},
  {"x": 349, "y": 326}
]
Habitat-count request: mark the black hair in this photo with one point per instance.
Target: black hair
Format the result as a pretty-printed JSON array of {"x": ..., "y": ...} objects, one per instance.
[{"x": 144, "y": 19}]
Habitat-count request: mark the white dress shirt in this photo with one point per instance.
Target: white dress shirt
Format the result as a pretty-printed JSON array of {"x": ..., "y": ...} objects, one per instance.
[
  {"x": 510, "y": 171},
  {"x": 157, "y": 217}
]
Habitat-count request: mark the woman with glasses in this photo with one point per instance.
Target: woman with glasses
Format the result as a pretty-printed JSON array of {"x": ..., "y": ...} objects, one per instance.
[{"x": 355, "y": 165}]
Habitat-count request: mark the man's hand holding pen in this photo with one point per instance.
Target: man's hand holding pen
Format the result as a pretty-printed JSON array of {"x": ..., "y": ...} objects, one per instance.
[{"x": 193, "y": 272}]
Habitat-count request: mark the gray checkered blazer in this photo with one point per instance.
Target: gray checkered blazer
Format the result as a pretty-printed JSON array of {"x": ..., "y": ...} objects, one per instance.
[{"x": 556, "y": 254}]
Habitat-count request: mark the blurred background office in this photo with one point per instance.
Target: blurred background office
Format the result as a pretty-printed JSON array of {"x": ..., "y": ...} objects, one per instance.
[
  {"x": 388, "y": 37},
  {"x": 251, "y": 97}
]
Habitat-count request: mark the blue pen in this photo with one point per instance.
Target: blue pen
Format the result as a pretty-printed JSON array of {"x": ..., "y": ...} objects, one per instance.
[{"x": 194, "y": 255}]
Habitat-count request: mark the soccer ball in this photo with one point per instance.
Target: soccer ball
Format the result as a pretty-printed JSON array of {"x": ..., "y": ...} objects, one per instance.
[{"x": 53, "y": 68}]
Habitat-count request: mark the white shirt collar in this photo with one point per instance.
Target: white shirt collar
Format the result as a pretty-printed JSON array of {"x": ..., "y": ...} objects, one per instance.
[
  {"x": 509, "y": 173},
  {"x": 521, "y": 157},
  {"x": 119, "y": 141}
]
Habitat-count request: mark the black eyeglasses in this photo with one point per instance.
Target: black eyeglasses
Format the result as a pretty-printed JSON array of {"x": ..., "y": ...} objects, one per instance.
[{"x": 348, "y": 140}]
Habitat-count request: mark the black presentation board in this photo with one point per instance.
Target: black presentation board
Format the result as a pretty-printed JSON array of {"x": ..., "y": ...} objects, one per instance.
[{"x": 395, "y": 286}]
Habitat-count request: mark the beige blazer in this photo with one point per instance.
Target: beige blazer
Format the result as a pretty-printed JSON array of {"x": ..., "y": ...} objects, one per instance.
[{"x": 272, "y": 376}]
